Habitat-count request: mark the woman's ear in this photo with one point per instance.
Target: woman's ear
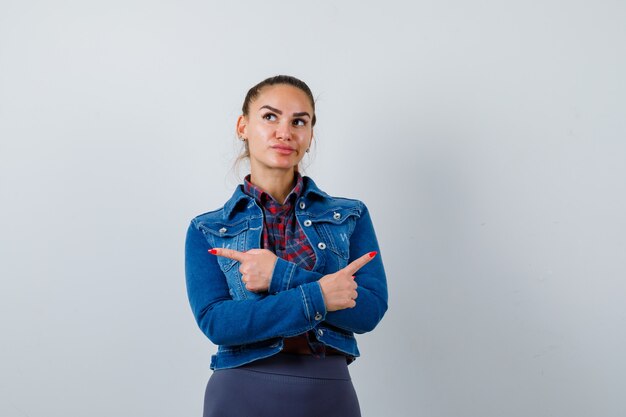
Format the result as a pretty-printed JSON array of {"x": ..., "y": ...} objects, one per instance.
[{"x": 242, "y": 125}]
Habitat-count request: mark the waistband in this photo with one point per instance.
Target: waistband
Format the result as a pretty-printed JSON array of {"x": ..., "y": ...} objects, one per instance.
[{"x": 305, "y": 366}]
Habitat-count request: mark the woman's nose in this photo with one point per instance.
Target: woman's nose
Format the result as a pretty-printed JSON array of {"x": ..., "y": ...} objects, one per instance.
[{"x": 283, "y": 131}]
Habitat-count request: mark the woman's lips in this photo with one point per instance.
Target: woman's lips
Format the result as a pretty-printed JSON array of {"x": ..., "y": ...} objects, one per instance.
[{"x": 283, "y": 150}]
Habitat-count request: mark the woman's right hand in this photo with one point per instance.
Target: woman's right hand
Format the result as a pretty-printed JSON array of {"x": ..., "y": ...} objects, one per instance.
[{"x": 339, "y": 289}]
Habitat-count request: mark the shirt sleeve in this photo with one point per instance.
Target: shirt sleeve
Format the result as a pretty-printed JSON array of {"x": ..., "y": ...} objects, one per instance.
[{"x": 235, "y": 322}]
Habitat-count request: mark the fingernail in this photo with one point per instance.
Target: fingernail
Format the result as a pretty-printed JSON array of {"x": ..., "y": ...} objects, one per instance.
[
  {"x": 213, "y": 251},
  {"x": 372, "y": 254}
]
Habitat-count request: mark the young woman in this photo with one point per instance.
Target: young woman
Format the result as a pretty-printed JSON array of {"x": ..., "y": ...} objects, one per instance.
[{"x": 283, "y": 275}]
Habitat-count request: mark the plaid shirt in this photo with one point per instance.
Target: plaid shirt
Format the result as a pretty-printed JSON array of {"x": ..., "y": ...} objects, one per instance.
[{"x": 281, "y": 232}]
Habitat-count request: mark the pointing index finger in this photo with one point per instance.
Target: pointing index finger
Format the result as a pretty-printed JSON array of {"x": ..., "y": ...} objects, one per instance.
[
  {"x": 359, "y": 263},
  {"x": 228, "y": 253}
]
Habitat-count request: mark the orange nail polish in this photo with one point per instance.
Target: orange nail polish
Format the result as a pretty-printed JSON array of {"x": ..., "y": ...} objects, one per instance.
[{"x": 372, "y": 254}]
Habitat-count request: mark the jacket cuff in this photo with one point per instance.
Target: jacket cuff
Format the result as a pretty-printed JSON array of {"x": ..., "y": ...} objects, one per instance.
[
  {"x": 313, "y": 300},
  {"x": 281, "y": 276}
]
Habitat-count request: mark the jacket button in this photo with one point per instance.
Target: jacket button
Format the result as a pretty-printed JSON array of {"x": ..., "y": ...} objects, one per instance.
[
  {"x": 318, "y": 317},
  {"x": 223, "y": 230},
  {"x": 320, "y": 332},
  {"x": 302, "y": 205},
  {"x": 337, "y": 216},
  {"x": 307, "y": 223},
  {"x": 321, "y": 245}
]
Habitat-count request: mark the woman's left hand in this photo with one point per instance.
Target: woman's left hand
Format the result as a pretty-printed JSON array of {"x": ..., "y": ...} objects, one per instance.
[{"x": 256, "y": 266}]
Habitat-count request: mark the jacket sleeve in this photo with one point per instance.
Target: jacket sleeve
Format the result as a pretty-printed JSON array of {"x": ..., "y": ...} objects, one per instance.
[
  {"x": 288, "y": 275},
  {"x": 235, "y": 322},
  {"x": 371, "y": 303}
]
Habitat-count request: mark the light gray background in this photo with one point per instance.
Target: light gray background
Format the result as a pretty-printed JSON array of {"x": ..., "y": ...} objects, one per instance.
[{"x": 487, "y": 138}]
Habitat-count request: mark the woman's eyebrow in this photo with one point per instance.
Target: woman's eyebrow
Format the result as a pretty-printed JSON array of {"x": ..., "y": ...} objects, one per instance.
[
  {"x": 271, "y": 108},
  {"x": 299, "y": 114}
]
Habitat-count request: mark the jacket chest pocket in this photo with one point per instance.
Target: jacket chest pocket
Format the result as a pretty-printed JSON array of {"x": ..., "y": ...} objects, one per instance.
[
  {"x": 334, "y": 229},
  {"x": 230, "y": 236}
]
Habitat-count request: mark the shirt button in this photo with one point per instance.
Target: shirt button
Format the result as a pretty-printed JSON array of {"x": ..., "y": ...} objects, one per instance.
[
  {"x": 302, "y": 205},
  {"x": 321, "y": 245},
  {"x": 320, "y": 332},
  {"x": 223, "y": 230},
  {"x": 307, "y": 223},
  {"x": 337, "y": 216},
  {"x": 318, "y": 317}
]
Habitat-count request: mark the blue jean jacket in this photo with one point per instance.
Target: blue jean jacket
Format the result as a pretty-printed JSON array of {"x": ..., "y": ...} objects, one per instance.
[{"x": 248, "y": 326}]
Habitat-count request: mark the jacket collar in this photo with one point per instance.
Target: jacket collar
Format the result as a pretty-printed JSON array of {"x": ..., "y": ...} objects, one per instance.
[
  {"x": 234, "y": 200},
  {"x": 310, "y": 190}
]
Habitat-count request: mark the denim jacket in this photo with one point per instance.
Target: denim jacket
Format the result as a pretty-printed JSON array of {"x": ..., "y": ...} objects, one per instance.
[{"x": 248, "y": 326}]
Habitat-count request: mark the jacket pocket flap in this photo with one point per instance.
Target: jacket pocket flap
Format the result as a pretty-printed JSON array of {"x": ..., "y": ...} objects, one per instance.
[
  {"x": 225, "y": 230},
  {"x": 336, "y": 215}
]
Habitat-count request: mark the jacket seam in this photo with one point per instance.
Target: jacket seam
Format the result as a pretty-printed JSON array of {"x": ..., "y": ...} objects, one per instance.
[
  {"x": 306, "y": 306},
  {"x": 290, "y": 275}
]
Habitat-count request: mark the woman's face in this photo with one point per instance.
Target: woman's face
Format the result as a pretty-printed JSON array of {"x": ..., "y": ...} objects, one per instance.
[{"x": 278, "y": 128}]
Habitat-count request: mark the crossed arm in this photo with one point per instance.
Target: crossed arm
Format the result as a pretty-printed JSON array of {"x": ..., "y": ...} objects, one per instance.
[
  {"x": 257, "y": 266},
  {"x": 353, "y": 298}
]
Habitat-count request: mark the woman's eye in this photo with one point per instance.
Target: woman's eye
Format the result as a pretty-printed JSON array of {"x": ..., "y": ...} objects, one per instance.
[
  {"x": 270, "y": 116},
  {"x": 299, "y": 122}
]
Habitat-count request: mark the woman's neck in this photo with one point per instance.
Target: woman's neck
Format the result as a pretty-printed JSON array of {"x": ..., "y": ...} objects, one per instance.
[{"x": 278, "y": 184}]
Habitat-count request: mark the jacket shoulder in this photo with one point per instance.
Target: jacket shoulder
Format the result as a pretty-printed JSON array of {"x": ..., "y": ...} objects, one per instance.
[{"x": 346, "y": 201}]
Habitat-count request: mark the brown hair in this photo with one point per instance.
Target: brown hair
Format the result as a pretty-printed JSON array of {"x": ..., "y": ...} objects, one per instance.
[{"x": 254, "y": 92}]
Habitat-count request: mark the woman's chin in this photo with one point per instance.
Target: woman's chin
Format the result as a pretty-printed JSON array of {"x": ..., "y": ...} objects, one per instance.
[
  {"x": 278, "y": 167},
  {"x": 284, "y": 164}
]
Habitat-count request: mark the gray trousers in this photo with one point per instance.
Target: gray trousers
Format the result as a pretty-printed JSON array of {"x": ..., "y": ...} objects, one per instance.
[{"x": 283, "y": 385}]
